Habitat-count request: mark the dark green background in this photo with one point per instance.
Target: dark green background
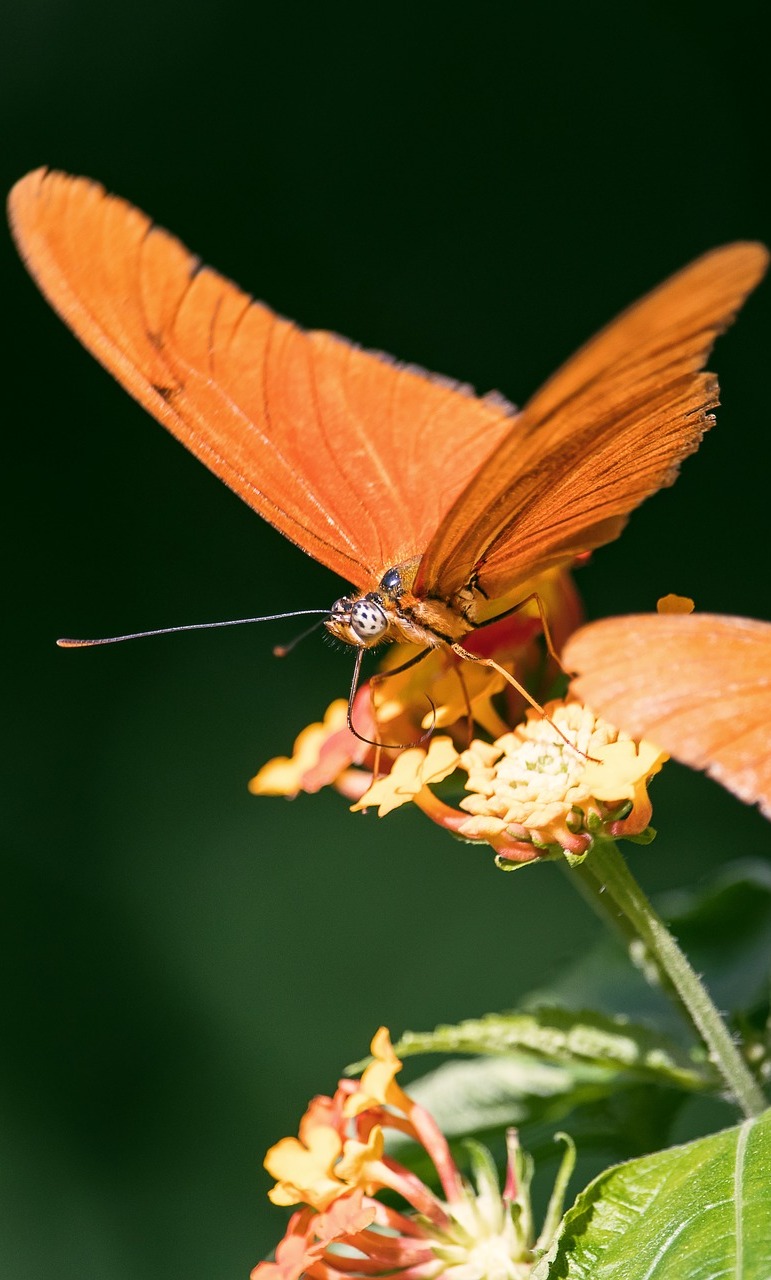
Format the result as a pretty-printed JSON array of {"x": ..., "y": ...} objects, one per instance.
[{"x": 475, "y": 189}]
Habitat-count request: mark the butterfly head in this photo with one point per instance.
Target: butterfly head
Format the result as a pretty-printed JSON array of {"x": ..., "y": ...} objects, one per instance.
[
  {"x": 366, "y": 620},
  {"x": 359, "y": 620}
]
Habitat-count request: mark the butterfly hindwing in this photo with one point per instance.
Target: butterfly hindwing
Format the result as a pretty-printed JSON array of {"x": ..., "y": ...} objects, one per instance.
[{"x": 699, "y": 685}]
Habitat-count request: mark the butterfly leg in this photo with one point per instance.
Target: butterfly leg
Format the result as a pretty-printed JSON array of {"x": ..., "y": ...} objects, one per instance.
[
  {"x": 380, "y": 676},
  {"x": 376, "y": 742},
  {"x": 510, "y": 679},
  {"x": 534, "y": 596},
  {"x": 378, "y": 679},
  {"x": 467, "y": 703}
]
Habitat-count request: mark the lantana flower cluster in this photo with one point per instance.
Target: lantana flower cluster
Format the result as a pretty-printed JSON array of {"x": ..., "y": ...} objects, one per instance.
[
  {"x": 538, "y": 784},
  {"x": 551, "y": 786},
  {"x": 438, "y": 693},
  {"x": 338, "y": 1166}
]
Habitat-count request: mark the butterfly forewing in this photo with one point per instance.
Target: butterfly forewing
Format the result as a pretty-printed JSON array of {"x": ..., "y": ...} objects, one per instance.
[
  {"x": 354, "y": 457},
  {"x": 363, "y": 462},
  {"x": 699, "y": 685},
  {"x": 608, "y": 430}
]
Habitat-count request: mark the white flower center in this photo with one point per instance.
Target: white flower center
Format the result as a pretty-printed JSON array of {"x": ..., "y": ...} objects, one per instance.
[
  {"x": 483, "y": 1242},
  {"x": 541, "y": 768},
  {"x": 489, "y": 1260},
  {"x": 539, "y": 776}
]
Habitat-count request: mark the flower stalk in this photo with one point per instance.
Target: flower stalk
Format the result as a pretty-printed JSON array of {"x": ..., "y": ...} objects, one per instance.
[{"x": 605, "y": 875}]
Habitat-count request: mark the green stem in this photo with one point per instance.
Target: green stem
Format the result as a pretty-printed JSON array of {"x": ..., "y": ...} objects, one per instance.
[
  {"x": 605, "y": 875},
  {"x": 627, "y": 934}
]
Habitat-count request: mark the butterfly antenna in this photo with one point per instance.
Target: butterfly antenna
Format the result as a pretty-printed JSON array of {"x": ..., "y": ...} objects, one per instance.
[
  {"x": 371, "y": 742},
  {"x": 192, "y": 626},
  {"x": 281, "y": 650}
]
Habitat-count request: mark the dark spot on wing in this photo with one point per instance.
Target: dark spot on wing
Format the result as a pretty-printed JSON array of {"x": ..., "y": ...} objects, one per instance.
[{"x": 166, "y": 393}]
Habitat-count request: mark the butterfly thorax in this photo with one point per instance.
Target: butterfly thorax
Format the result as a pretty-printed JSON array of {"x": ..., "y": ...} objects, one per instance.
[{"x": 394, "y": 613}]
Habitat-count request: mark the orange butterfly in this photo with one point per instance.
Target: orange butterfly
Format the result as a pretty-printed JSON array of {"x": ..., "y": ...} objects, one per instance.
[
  {"x": 429, "y": 500},
  {"x": 697, "y": 684}
]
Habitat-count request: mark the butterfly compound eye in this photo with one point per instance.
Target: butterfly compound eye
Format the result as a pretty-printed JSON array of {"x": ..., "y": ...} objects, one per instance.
[
  {"x": 391, "y": 583},
  {"x": 368, "y": 620}
]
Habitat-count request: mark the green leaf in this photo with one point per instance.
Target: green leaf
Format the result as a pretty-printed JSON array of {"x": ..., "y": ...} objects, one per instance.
[
  {"x": 563, "y": 1037},
  {"x": 726, "y": 932},
  {"x": 616, "y": 1084},
  {"x": 602, "y": 1073},
  {"x": 496, "y": 1092},
  {"x": 696, "y": 1210},
  {"x": 724, "y": 929},
  {"x": 484, "y": 1096}
]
